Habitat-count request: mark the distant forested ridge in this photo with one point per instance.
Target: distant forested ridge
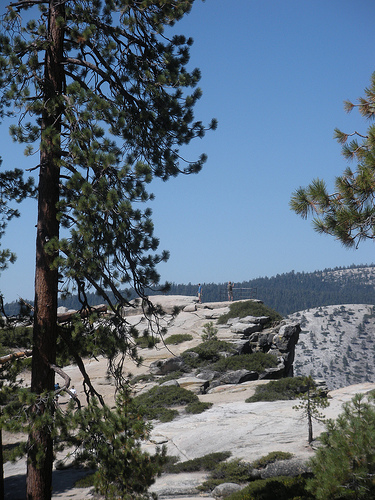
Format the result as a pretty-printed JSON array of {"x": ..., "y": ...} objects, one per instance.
[{"x": 286, "y": 293}]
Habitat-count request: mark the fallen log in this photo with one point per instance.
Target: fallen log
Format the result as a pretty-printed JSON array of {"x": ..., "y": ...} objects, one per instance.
[{"x": 21, "y": 354}]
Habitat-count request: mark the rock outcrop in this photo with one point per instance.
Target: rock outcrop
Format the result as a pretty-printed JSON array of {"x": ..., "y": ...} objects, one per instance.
[{"x": 247, "y": 335}]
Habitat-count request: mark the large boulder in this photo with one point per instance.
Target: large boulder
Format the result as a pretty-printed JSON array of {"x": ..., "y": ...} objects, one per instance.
[
  {"x": 237, "y": 377},
  {"x": 273, "y": 373},
  {"x": 164, "y": 366},
  {"x": 246, "y": 329},
  {"x": 197, "y": 385},
  {"x": 262, "y": 320},
  {"x": 225, "y": 490},
  {"x": 287, "y": 337},
  {"x": 292, "y": 468}
]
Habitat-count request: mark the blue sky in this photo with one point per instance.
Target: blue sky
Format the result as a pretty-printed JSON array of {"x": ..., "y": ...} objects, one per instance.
[{"x": 275, "y": 75}]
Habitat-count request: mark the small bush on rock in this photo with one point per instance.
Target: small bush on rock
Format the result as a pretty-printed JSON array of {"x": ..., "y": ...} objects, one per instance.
[
  {"x": 178, "y": 338},
  {"x": 282, "y": 389},
  {"x": 280, "y": 488},
  {"x": 272, "y": 457},
  {"x": 208, "y": 352},
  {"x": 250, "y": 308},
  {"x": 198, "y": 407},
  {"x": 234, "y": 471},
  {"x": 146, "y": 342},
  {"x": 156, "y": 402},
  {"x": 205, "y": 463},
  {"x": 257, "y": 361}
]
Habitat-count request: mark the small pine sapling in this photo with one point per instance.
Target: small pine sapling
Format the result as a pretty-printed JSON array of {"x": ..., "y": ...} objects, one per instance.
[
  {"x": 310, "y": 403},
  {"x": 209, "y": 332}
]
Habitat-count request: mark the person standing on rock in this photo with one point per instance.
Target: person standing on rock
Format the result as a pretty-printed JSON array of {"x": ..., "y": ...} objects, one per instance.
[
  {"x": 230, "y": 291},
  {"x": 200, "y": 293}
]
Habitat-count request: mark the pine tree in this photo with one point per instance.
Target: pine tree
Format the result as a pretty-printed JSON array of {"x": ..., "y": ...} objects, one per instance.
[
  {"x": 344, "y": 465},
  {"x": 310, "y": 403},
  {"x": 99, "y": 88},
  {"x": 348, "y": 213}
]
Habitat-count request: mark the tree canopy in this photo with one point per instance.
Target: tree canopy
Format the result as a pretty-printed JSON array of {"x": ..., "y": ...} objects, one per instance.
[{"x": 348, "y": 213}]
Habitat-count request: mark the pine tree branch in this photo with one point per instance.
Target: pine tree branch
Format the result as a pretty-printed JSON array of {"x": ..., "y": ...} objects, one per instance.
[
  {"x": 81, "y": 366},
  {"x": 114, "y": 83},
  {"x": 65, "y": 387}
]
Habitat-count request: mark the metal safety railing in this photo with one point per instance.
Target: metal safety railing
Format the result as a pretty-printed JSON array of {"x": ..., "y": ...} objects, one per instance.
[{"x": 239, "y": 293}]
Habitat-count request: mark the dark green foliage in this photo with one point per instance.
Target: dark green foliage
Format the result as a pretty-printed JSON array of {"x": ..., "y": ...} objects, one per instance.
[
  {"x": 178, "y": 338},
  {"x": 257, "y": 361},
  {"x": 234, "y": 471},
  {"x": 344, "y": 466},
  {"x": 13, "y": 189},
  {"x": 282, "y": 389},
  {"x": 17, "y": 337},
  {"x": 198, "y": 407},
  {"x": 347, "y": 213},
  {"x": 281, "y": 488},
  {"x": 208, "y": 352},
  {"x": 85, "y": 481},
  {"x": 156, "y": 402},
  {"x": 250, "y": 308},
  {"x": 13, "y": 451},
  {"x": 147, "y": 341},
  {"x": 205, "y": 463},
  {"x": 272, "y": 457}
]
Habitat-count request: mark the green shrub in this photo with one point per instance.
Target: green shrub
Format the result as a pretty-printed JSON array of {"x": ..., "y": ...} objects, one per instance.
[
  {"x": 156, "y": 402},
  {"x": 276, "y": 390},
  {"x": 164, "y": 414},
  {"x": 208, "y": 352},
  {"x": 234, "y": 471},
  {"x": 272, "y": 457},
  {"x": 280, "y": 488},
  {"x": 257, "y": 361},
  {"x": 250, "y": 308},
  {"x": 198, "y": 407},
  {"x": 178, "y": 338},
  {"x": 205, "y": 463},
  {"x": 146, "y": 341}
]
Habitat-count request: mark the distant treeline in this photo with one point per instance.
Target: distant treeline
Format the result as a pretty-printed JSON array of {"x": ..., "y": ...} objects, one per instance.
[{"x": 286, "y": 293}]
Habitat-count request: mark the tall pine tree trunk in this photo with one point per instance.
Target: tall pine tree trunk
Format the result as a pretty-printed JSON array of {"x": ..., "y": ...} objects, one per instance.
[{"x": 40, "y": 455}]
